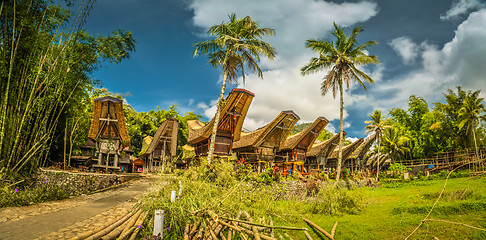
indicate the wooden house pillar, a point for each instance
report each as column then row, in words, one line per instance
column 115, row 161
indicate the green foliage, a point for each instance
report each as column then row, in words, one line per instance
column 342, row 57
column 332, row 200
column 26, row 195
column 142, row 124
column 444, row 128
column 46, row 75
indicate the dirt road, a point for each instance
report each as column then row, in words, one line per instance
column 65, row 219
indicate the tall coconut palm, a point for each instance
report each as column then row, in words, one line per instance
column 377, row 125
column 395, row 142
column 470, row 115
column 342, row 58
column 237, row 43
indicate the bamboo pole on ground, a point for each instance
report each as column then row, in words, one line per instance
column 120, row 229
column 318, row 228
column 264, row 225
column 186, row 232
column 133, row 229
column 110, row 228
column 307, row 235
column 116, row 222
column 254, row 229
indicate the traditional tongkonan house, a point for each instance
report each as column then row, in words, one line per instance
column 293, row 153
column 372, row 161
column 347, row 151
column 317, row 156
column 355, row 160
column 163, row 146
column 231, row 120
column 108, row 134
column 260, row 146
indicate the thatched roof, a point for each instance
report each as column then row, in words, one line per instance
column 373, row 160
column 274, row 132
column 232, row 116
column 347, row 150
column 325, row 148
column 364, row 147
column 111, row 107
column 168, row 131
column 306, row 137
column 145, row 144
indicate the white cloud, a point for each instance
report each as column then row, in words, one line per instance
column 295, row 21
column 461, row 7
column 406, row 49
column 459, row 62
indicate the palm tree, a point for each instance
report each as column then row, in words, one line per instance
column 377, row 125
column 395, row 142
column 341, row 57
column 470, row 115
column 237, row 43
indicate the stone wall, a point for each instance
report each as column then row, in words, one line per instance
column 80, row 183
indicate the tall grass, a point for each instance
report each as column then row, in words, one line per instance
column 226, row 189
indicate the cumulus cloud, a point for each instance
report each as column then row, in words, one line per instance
column 295, row 21
column 458, row 62
column 405, row 48
column 462, row 7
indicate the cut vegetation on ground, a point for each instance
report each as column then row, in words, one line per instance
column 391, row 211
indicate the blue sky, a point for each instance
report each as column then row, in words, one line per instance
column 425, row 48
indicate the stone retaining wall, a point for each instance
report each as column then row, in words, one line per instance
column 80, row 183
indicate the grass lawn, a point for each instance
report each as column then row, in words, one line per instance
column 391, row 211
column 394, row 210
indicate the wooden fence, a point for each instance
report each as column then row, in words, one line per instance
column 446, row 160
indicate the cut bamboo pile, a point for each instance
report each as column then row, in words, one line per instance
column 212, row 226
column 125, row 227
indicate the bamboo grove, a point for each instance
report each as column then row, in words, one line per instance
column 46, row 65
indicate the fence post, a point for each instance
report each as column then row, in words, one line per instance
column 159, row 223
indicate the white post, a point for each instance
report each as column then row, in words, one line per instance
column 172, row 196
column 159, row 223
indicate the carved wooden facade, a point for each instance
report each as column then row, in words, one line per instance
column 108, row 135
column 162, row 146
column 260, row 146
column 293, row 153
column 231, row 120
column 317, row 156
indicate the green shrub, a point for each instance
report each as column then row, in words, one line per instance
column 27, row 195
column 333, row 200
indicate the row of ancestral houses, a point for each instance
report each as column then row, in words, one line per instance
column 271, row 145
column 107, row 147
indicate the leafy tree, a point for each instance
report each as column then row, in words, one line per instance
column 470, row 115
column 377, row 125
column 46, row 68
column 237, row 43
column 342, row 57
column 395, row 142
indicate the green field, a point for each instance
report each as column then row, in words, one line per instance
column 394, row 210
column 391, row 211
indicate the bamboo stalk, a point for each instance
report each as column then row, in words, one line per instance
column 318, row 228
column 307, row 235
column 134, row 230
column 333, row 231
column 89, row 233
column 254, row 229
column 186, row 232
column 117, row 231
column 265, row 225
column 194, row 228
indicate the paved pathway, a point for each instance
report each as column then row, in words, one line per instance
column 67, row 218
